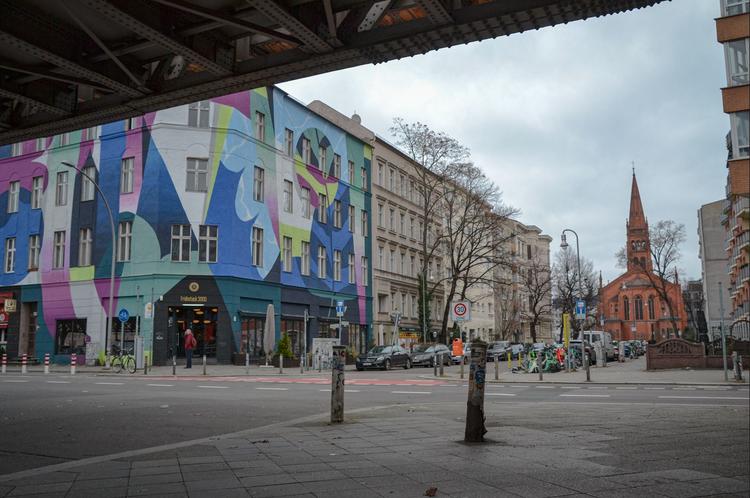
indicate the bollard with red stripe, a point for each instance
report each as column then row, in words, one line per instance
column 5, row 363
column 23, row 364
column 46, row 363
column 73, row 364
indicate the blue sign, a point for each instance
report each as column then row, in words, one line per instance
column 123, row 315
column 580, row 309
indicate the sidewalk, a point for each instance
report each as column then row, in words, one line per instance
column 532, row 450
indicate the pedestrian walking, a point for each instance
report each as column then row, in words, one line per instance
column 190, row 344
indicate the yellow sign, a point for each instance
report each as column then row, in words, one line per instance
column 408, row 335
column 566, row 329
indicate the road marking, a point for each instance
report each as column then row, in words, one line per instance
column 597, row 387
column 15, row 381
column 109, row 383
column 58, row 382
column 214, row 387
column 519, row 387
column 352, row 391
column 626, row 388
column 545, row 387
column 411, row 392
column 570, row 387
column 683, row 389
column 272, row 388
column 160, row 385
column 446, row 385
column 586, row 395
column 703, row 397
column 499, row 394
column 654, row 388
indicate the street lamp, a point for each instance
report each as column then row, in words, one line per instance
column 564, row 245
column 424, row 306
column 107, row 344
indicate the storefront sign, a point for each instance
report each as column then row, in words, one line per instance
column 10, row 305
column 193, row 287
column 193, row 299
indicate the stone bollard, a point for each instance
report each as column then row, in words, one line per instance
column 5, row 363
column 73, row 360
column 337, row 384
column 281, row 363
column 23, row 364
column 475, row 429
column 442, row 366
column 435, row 363
column 204, row 364
column 247, row 363
column 497, row 367
column 46, row 363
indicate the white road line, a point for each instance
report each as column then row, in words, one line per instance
column 160, row 385
column 570, row 387
column 58, row 382
column 683, row 389
column 519, row 387
column 271, row 388
column 352, row 391
column 446, row 385
column 585, row 395
column 654, row 388
column 109, row 383
column 499, row 394
column 545, row 387
column 15, row 381
column 411, row 392
column 214, row 387
column 626, row 388
column 598, row 387
column 703, row 397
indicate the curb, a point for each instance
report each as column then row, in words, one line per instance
column 551, row 382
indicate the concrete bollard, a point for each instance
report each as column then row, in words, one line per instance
column 145, row 364
column 337, row 384
column 204, row 364
column 475, row 429
column 46, row 363
column 497, row 367
column 23, row 364
column 442, row 365
column 174, row 363
column 5, row 363
column 587, row 364
column 540, row 366
column 73, row 360
column 463, row 360
column 281, row 364
column 435, row 363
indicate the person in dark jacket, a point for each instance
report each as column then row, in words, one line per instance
column 190, row 344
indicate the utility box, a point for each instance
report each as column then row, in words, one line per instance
column 139, row 352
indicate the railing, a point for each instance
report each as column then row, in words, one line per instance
column 741, row 204
column 741, row 240
column 744, row 274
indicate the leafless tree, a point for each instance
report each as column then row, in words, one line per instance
column 566, row 286
column 536, row 283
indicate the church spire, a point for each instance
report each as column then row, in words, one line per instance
column 638, row 244
column 636, row 219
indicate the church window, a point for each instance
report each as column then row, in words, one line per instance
column 638, row 308
column 650, row 307
column 626, row 307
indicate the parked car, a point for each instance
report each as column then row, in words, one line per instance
column 497, row 348
column 516, row 349
column 384, row 357
column 426, row 354
column 593, row 336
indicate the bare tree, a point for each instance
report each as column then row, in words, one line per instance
column 566, row 286
column 536, row 283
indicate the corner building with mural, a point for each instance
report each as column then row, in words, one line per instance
column 221, row 208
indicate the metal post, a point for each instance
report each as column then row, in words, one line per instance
column 281, row 363
column 442, row 371
column 463, row 360
column 588, row 367
column 337, row 384
column 435, row 363
column 247, row 363
column 5, row 364
column 23, row 364
column 539, row 365
column 721, row 328
column 510, row 360
column 46, row 363
column 304, row 343
column 204, row 364
column 73, row 361
column 497, row 367
column 475, row 429
column 174, row 363
column 113, row 257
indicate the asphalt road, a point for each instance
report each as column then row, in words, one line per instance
column 55, row 418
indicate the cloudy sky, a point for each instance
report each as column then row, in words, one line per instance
column 557, row 116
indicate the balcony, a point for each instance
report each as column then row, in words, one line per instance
column 743, row 274
column 741, row 207
column 742, row 241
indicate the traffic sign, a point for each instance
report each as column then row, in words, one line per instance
column 461, row 311
column 123, row 315
column 580, row 309
column 340, row 308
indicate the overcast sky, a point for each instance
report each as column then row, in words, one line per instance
column 556, row 117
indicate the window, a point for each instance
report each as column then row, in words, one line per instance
column 736, row 55
column 322, row 162
column 337, row 265
column 70, row 337
column 198, row 114
column 352, row 217
column 392, row 261
column 288, row 197
column 403, row 264
column 364, row 270
column 64, row 139
column 380, row 258
column 61, row 189
column 421, row 230
column 10, row 255
column 364, row 223
column 260, row 126
column 402, row 185
column 124, row 240
column 638, row 308
column 380, row 215
column 391, row 179
column 411, row 190
column 528, row 252
column 197, row 175
column 257, row 246
column 208, row 242
column 180, row 242
column 411, row 266
column 351, row 172
column 126, row 175
column 351, row 269
column 380, row 174
column 402, row 222
column 322, row 208
column 34, row 250
column 650, row 307
column 305, row 198
column 39, row 144
column 37, row 184
column 87, row 183
column 403, row 304
column 85, row 241
column 16, row 149
column 305, row 259
column 13, row 191
column 306, row 151
column 364, row 179
column 337, row 214
column 740, row 134
column 289, row 142
column 382, row 303
column 321, row 262
column 87, row 134
column 258, row 177
column 337, row 166
column 59, row 251
column 391, row 219
column 734, row 7
column 626, row 307
column 286, row 249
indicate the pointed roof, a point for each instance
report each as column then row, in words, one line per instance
column 636, row 219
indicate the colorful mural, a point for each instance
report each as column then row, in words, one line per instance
column 224, row 169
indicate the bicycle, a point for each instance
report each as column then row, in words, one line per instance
column 120, row 361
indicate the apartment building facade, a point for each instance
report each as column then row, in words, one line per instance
column 733, row 32
column 221, row 208
column 714, row 262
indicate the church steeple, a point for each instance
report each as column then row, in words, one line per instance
column 639, row 244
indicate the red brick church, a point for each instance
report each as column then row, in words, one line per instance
column 631, row 308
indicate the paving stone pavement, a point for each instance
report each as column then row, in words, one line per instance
column 532, row 450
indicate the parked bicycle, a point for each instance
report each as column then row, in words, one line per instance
column 122, row 360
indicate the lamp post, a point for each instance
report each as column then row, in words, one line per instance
column 424, row 307
column 564, row 245
column 108, row 326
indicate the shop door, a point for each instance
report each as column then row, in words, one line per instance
column 252, row 338
column 31, row 331
column 202, row 322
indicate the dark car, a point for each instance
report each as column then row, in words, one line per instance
column 384, row 357
column 498, row 348
column 424, row 354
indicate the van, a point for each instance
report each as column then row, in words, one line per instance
column 594, row 336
